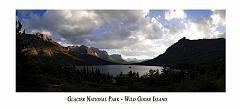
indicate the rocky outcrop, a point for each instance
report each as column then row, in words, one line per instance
column 100, row 53
column 104, row 55
column 82, row 50
column 45, row 52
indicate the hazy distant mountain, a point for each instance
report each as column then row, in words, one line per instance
column 135, row 60
column 187, row 51
column 117, row 58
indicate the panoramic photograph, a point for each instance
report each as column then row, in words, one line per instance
column 120, row 50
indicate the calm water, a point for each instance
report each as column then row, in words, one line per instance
column 117, row 69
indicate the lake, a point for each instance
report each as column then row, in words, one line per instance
column 117, row 69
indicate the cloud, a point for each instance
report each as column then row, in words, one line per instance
column 219, row 17
column 120, row 28
column 209, row 24
column 175, row 14
column 72, row 23
column 66, row 23
column 42, row 31
column 132, row 33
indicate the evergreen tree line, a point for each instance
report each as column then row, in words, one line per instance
column 210, row 77
column 84, row 74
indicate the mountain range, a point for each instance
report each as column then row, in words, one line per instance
column 43, row 49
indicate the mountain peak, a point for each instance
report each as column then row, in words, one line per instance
column 116, row 55
column 183, row 39
column 43, row 37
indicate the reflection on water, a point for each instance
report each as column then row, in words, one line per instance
column 117, row 69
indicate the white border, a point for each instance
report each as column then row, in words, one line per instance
column 9, row 98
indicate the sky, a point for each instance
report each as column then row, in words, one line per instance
column 141, row 34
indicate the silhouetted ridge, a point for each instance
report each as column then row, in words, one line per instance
column 187, row 51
